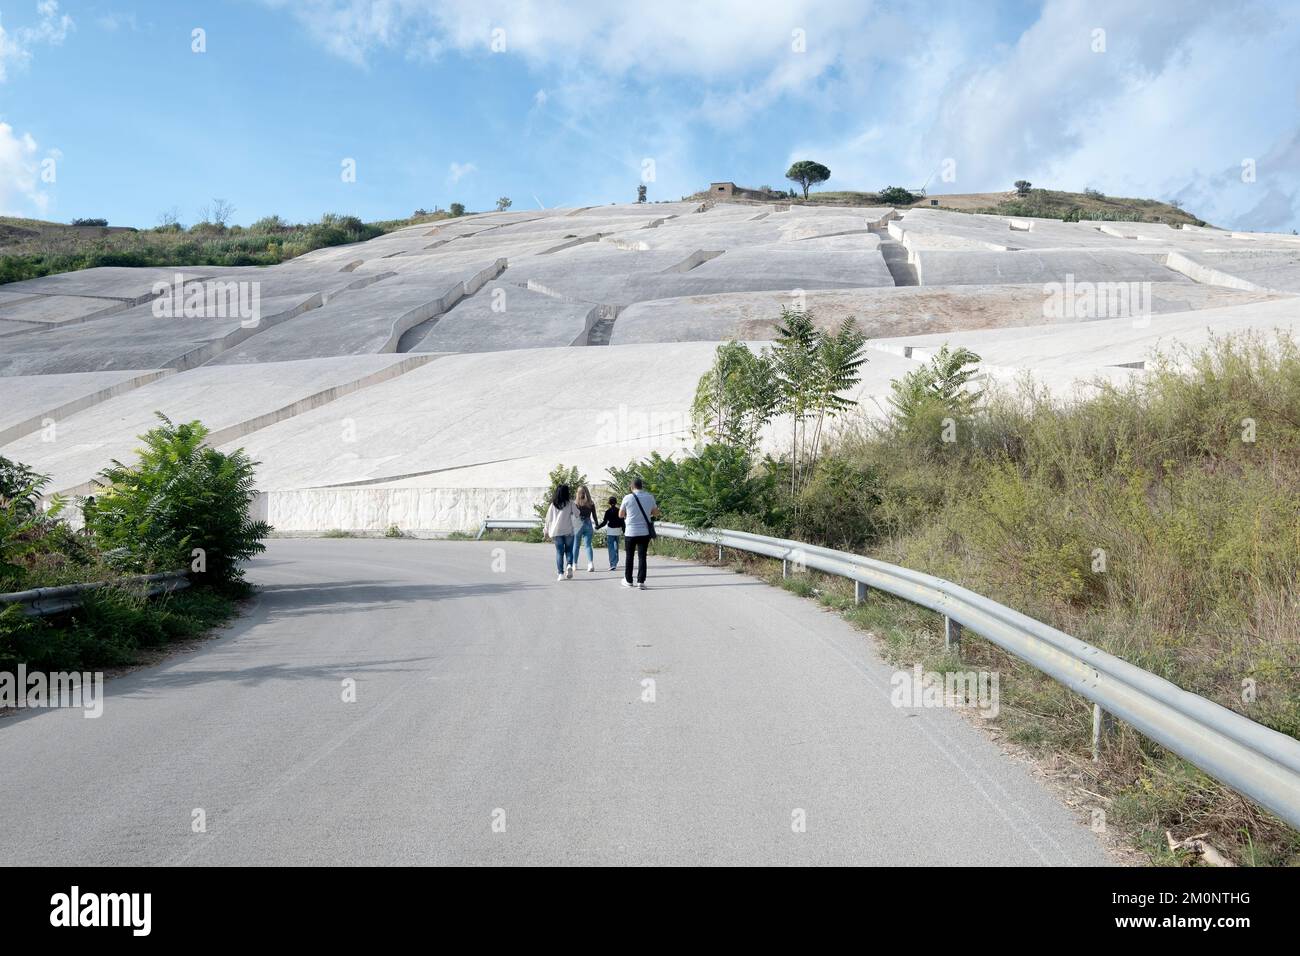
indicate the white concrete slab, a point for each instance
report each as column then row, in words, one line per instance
column 365, row 321
column 136, row 339
column 14, row 328
column 232, row 402
column 1080, row 349
column 125, row 284
column 949, row 267
column 58, row 309
column 492, row 406
column 503, row 316
column 881, row 311
column 1268, row 270
column 29, row 403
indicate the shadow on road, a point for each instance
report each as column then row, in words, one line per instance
column 331, row 597
column 145, row 685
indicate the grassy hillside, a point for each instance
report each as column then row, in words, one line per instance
column 1055, row 204
column 1038, row 203
column 30, row 248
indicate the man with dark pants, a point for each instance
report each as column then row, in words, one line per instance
column 637, row 510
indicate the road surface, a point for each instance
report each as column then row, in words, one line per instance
column 500, row 718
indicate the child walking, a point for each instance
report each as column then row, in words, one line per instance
column 613, row 526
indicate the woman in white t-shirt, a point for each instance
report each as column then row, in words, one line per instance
column 561, row 519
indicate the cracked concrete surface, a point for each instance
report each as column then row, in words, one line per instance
column 511, row 304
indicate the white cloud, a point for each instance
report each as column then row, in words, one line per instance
column 670, row 37
column 12, row 53
column 1180, row 95
column 458, row 171
column 116, row 20
column 51, row 27
column 21, row 187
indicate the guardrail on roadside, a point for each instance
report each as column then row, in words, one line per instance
column 1246, row 756
column 42, row 602
column 508, row 524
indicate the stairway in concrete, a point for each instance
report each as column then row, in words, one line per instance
column 603, row 327
column 895, row 255
column 600, row 332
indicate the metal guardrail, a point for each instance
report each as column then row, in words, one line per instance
column 508, row 524
column 1246, row 756
column 42, row 602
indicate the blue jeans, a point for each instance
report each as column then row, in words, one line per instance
column 563, row 544
column 583, row 533
column 611, row 543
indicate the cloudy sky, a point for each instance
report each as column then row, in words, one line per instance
column 110, row 108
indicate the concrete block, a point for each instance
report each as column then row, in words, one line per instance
column 232, row 402
column 31, row 402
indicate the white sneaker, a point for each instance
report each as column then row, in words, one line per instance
column 626, row 583
column 590, row 566
column 568, row 572
column 559, row 577
column 643, row 587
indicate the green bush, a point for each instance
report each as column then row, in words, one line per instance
column 33, row 544
column 700, row 488
column 266, row 242
column 269, row 224
column 560, row 475
column 930, row 404
column 897, row 196
column 109, row 629
column 840, row 507
column 181, row 497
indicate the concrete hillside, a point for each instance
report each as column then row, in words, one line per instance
column 435, row 374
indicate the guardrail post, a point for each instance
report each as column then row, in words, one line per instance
column 482, row 530
column 785, row 568
column 951, row 634
column 719, row 552
column 1103, row 725
column 859, row 592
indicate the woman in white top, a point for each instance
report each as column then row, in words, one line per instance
column 561, row 519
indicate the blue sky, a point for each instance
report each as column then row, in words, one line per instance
column 564, row 103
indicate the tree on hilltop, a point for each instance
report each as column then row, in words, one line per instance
column 807, row 173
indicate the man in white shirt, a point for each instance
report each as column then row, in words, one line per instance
column 637, row 510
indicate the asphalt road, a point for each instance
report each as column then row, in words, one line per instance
column 499, row 718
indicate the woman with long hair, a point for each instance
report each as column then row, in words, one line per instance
column 561, row 519
column 584, row 527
